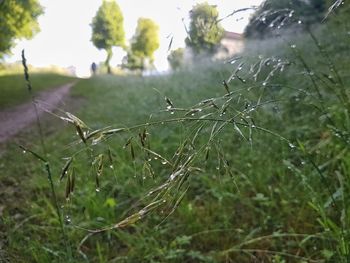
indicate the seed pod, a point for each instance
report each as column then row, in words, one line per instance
column 132, row 151
column 100, row 165
column 226, row 86
column 80, row 133
column 169, row 102
column 66, row 167
column 68, row 186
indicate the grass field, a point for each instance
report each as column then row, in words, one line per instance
column 14, row 91
column 183, row 168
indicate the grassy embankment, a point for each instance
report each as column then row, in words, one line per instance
column 13, row 87
column 261, row 169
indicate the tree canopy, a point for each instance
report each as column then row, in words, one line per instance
column 281, row 14
column 143, row 44
column 18, row 19
column 146, row 39
column 107, row 29
column 176, row 58
column 133, row 62
column 205, row 32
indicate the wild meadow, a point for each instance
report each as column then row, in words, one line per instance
column 12, row 92
column 243, row 160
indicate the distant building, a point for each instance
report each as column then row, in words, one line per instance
column 231, row 44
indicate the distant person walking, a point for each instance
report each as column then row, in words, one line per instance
column 93, row 68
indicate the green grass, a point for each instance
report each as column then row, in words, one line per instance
column 248, row 194
column 14, row 91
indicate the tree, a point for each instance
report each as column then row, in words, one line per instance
column 205, row 32
column 145, row 41
column 176, row 58
column 274, row 14
column 18, row 19
column 143, row 44
column 133, row 62
column 107, row 29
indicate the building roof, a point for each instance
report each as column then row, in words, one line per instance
column 232, row 35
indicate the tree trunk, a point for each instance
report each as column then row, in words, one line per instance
column 109, row 56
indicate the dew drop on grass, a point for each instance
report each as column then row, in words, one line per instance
column 155, row 158
column 164, row 162
column 291, row 145
column 67, row 219
column 97, row 190
column 111, row 166
column 299, row 22
column 172, row 112
column 24, row 151
column 293, row 46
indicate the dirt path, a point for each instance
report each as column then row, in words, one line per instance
column 15, row 119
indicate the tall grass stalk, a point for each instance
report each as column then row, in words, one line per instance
column 43, row 160
column 46, row 164
column 30, row 90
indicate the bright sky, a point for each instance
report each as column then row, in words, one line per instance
column 65, row 34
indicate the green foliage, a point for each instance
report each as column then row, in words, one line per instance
column 133, row 62
column 143, row 44
column 268, row 151
column 281, row 14
column 18, row 19
column 176, row 58
column 146, row 39
column 205, row 32
column 13, row 86
column 107, row 29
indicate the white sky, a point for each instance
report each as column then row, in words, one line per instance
column 65, row 34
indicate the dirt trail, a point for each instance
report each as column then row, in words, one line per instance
column 15, row 119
